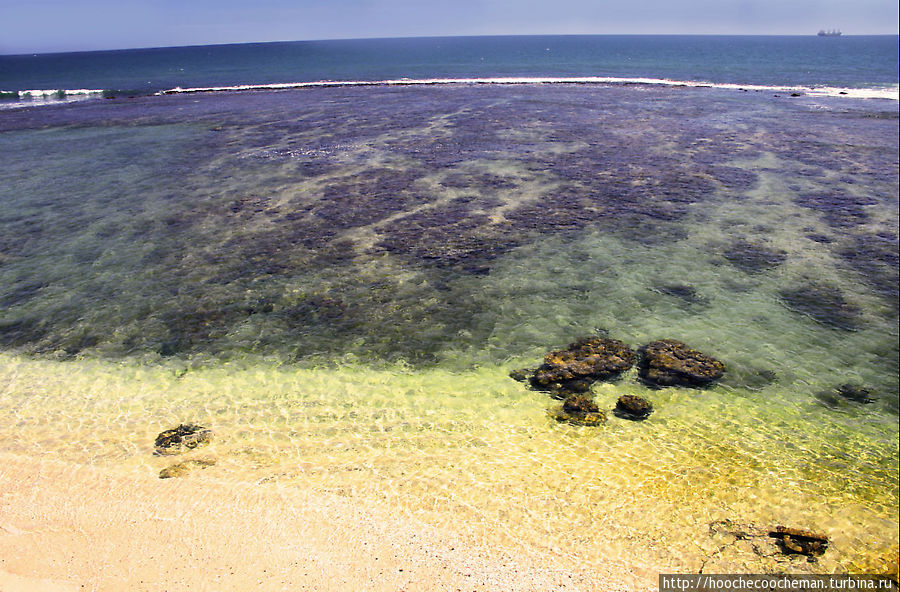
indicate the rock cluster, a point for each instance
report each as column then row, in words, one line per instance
column 569, row 373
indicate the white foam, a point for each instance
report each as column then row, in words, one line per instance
column 888, row 92
column 27, row 98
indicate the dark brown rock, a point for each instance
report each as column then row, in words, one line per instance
column 574, row 369
column 580, row 410
column 186, row 436
column 580, row 404
column 672, row 363
column 798, row 541
column 633, row 407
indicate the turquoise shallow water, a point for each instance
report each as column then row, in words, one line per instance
column 338, row 281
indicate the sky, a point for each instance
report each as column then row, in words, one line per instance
column 41, row 26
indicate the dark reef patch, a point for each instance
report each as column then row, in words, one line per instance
column 483, row 181
column 823, row 303
column 877, row 258
column 22, row 331
column 733, row 177
column 191, row 327
column 685, row 293
column 21, row 294
column 840, row 210
column 823, row 239
column 368, row 198
column 753, row 257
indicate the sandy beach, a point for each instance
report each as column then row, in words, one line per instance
column 65, row 527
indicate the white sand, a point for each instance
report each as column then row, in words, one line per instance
column 66, row 527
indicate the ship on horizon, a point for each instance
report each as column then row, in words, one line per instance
column 831, row 33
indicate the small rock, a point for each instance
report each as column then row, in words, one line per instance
column 672, row 363
column 580, row 404
column 633, row 407
column 798, row 541
column 186, row 436
column 522, row 374
column 855, row 392
column 183, row 468
column 580, row 410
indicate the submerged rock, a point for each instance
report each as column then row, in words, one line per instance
column 855, row 392
column 573, row 370
column 579, row 404
column 750, row 377
column 845, row 396
column 186, row 436
column 521, row 374
column 798, row 541
column 668, row 362
column 633, row 407
column 183, row 468
column 580, row 410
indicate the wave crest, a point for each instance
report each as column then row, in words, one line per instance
column 887, row 92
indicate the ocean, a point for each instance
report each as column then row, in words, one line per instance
column 337, row 269
column 852, row 63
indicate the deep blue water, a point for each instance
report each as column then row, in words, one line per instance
column 851, row 62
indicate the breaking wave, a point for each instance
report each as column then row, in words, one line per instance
column 891, row 92
column 28, row 98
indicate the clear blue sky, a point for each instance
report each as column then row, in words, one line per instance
column 34, row 26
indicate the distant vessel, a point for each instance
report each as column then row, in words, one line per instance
column 831, row 33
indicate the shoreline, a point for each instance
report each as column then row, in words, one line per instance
column 68, row 527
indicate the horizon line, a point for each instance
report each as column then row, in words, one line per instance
column 399, row 37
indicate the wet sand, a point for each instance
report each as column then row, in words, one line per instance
column 66, row 527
